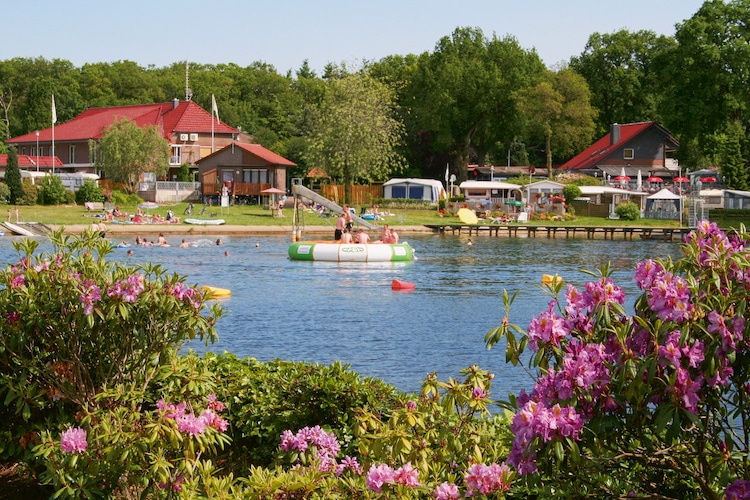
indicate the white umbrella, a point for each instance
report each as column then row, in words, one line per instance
column 640, row 182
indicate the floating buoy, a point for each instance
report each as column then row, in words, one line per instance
column 402, row 285
column 217, row 292
column 549, row 279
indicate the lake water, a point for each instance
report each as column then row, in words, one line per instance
column 323, row 312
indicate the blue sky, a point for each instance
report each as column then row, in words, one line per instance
column 286, row 32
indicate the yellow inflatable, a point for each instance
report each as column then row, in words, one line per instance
column 217, row 292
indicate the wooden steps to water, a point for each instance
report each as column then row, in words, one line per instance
column 589, row 232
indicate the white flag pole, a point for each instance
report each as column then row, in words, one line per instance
column 54, row 119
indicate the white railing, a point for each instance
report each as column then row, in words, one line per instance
column 174, row 160
column 177, row 186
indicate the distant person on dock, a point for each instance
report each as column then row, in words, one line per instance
column 346, row 236
column 362, row 237
column 340, row 226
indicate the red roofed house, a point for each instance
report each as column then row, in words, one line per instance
column 185, row 125
column 26, row 162
column 631, row 148
column 244, row 170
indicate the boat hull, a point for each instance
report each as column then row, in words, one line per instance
column 350, row 252
column 204, row 222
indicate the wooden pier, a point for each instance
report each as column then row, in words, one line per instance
column 590, row 232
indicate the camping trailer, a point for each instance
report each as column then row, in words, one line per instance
column 414, row 189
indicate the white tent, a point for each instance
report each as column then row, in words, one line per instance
column 414, row 189
column 664, row 199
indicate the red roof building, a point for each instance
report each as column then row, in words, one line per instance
column 242, row 170
column 192, row 132
column 628, row 148
column 26, row 162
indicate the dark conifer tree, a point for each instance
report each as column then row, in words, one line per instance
column 13, row 177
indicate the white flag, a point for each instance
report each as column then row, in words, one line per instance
column 447, row 172
column 214, row 108
column 54, row 111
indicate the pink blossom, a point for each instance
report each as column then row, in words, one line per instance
column 738, row 490
column 90, row 294
column 478, row 393
column 547, row 328
column 128, row 289
column 18, row 281
column 407, row 475
column 411, row 406
column 348, row 463
column 646, row 273
column 190, row 424
column 447, row 491
column 214, row 404
column 487, row 479
column 73, row 440
column 378, row 475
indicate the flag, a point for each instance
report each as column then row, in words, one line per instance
column 214, row 108
column 447, row 172
column 54, row 111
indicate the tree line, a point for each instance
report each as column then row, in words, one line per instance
column 473, row 98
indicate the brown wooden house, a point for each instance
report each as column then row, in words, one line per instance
column 243, row 171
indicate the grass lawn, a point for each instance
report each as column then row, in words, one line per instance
column 251, row 215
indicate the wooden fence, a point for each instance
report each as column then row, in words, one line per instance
column 360, row 194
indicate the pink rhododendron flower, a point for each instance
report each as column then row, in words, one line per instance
column 348, row 463
column 548, row 328
column 190, row 424
column 378, row 475
column 487, row 479
column 447, row 491
column 73, row 440
column 738, row 490
column 407, row 475
column 90, row 293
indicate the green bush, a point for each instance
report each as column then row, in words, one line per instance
column 77, row 325
column 124, row 199
column 89, row 191
column 4, row 192
column 628, row 210
column 51, row 190
column 30, row 193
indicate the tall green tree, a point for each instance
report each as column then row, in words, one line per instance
column 558, row 110
column 707, row 75
column 734, row 168
column 621, row 71
column 13, row 177
column 356, row 134
column 466, row 93
column 128, row 151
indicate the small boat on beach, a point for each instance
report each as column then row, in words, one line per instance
column 350, row 252
column 204, row 222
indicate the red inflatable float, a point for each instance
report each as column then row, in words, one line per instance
column 402, row 285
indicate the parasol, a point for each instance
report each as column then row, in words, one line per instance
column 654, row 178
column 273, row 191
column 467, row 216
column 708, row 179
column 681, row 179
column 622, row 178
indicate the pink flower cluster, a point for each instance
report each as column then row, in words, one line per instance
column 487, row 479
column 536, row 420
column 127, row 289
column 738, row 490
column 547, row 328
column 383, row 474
column 191, row 424
column 73, row 440
column 584, row 376
column 184, row 293
column 90, row 294
column 326, row 446
column 581, row 306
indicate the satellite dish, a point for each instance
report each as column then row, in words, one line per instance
column 188, row 94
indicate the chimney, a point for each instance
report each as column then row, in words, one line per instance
column 614, row 133
column 175, row 102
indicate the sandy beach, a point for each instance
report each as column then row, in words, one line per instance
column 186, row 229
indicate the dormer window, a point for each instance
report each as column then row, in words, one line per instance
column 628, row 153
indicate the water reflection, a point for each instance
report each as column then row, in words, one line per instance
column 323, row 312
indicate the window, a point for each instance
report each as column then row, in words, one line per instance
column 175, row 157
column 33, row 151
column 41, row 150
column 23, row 150
column 72, row 153
column 628, row 153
